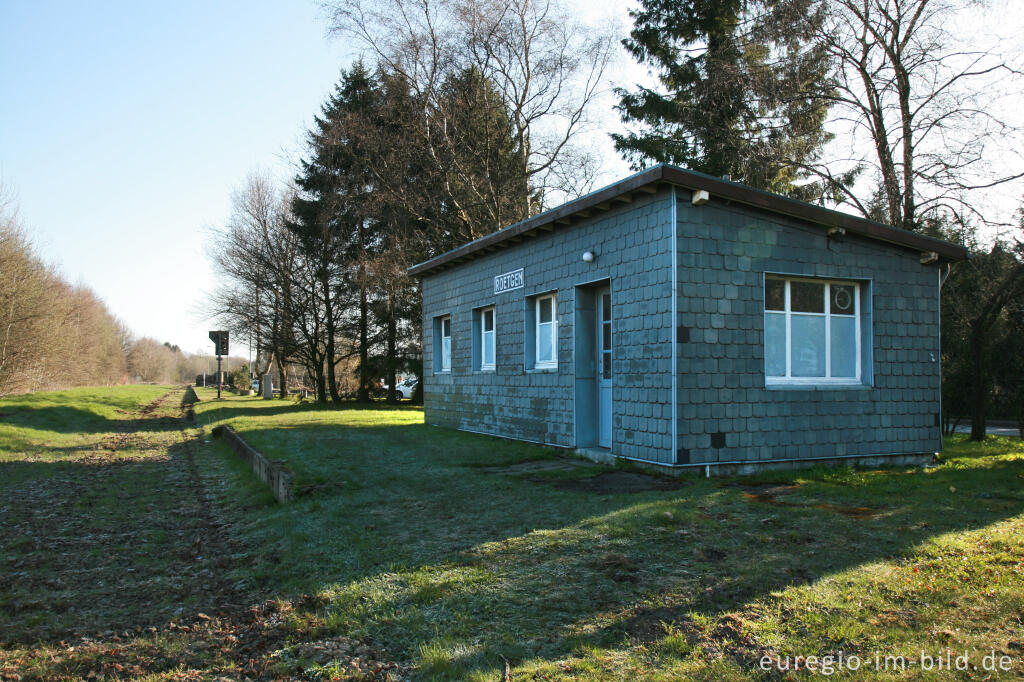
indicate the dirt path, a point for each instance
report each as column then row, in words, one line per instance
column 118, row 537
column 115, row 565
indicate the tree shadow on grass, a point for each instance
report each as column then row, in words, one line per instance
column 104, row 544
column 64, row 419
column 75, row 420
column 212, row 411
column 423, row 547
column 709, row 552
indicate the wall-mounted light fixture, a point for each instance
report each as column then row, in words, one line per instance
column 700, row 197
column 588, row 256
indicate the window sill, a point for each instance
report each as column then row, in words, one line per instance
column 484, row 370
column 817, row 387
column 550, row 369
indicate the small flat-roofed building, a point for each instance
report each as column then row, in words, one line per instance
column 679, row 319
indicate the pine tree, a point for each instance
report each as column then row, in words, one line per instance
column 744, row 89
column 480, row 159
column 332, row 221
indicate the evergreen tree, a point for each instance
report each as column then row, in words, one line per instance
column 332, row 222
column 480, row 159
column 744, row 85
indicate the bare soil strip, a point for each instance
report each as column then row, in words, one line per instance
column 115, row 566
column 107, row 531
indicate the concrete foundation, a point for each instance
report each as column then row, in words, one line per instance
column 746, row 468
column 272, row 473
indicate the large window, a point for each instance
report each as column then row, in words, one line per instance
column 443, row 343
column 546, row 331
column 486, row 338
column 812, row 331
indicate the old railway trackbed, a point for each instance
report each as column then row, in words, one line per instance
column 116, row 539
column 115, row 566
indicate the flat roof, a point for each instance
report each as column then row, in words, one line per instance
column 648, row 182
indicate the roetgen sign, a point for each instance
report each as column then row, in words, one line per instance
column 509, row 281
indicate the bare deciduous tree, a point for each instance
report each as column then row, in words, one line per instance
column 545, row 66
column 261, row 292
column 52, row 334
column 921, row 103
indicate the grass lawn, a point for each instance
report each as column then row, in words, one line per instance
column 456, row 553
column 104, row 523
column 465, row 557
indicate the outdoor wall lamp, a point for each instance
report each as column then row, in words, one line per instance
column 588, row 256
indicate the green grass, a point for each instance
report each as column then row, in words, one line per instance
column 411, row 542
column 434, row 546
column 56, row 424
column 96, row 517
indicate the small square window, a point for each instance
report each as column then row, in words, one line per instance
column 487, row 339
column 806, row 297
column 544, row 316
column 774, row 294
column 443, row 343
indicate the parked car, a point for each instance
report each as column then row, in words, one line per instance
column 407, row 388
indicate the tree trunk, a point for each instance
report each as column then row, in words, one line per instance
column 332, row 381
column 364, row 351
column 282, row 373
column 979, row 380
column 321, row 385
column 392, row 352
column 417, row 395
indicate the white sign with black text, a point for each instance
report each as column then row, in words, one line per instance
column 509, row 281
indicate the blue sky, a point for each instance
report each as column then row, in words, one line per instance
column 124, row 127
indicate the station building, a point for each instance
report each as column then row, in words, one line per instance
column 678, row 319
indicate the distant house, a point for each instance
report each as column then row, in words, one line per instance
column 682, row 320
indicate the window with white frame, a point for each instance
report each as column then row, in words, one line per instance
column 546, row 323
column 487, row 338
column 444, row 335
column 812, row 331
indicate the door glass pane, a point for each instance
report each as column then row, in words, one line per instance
column 446, row 352
column 488, row 320
column 841, row 299
column 775, row 344
column 544, row 314
column 775, row 294
column 544, row 343
column 807, row 297
column 808, row 344
column 489, row 348
column 606, row 365
column 844, row 347
column 446, row 327
column 606, row 337
column 606, row 307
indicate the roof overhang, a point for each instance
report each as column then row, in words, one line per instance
column 649, row 181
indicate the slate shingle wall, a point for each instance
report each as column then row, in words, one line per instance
column 633, row 247
column 724, row 252
column 724, row 411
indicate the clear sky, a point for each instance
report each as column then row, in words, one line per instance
column 125, row 125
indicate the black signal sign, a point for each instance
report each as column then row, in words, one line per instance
column 220, row 341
